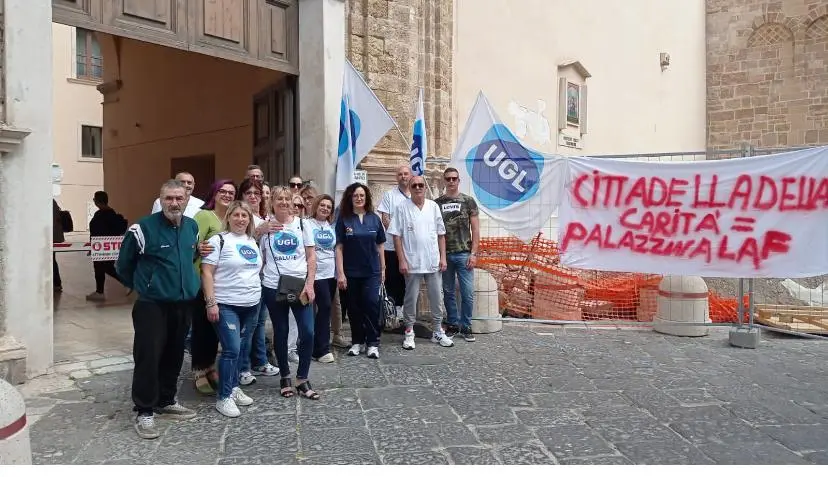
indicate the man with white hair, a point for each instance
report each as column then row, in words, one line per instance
column 156, row 260
column 191, row 204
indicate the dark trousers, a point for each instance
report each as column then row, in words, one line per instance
column 279, row 315
column 158, row 350
column 56, row 282
column 324, row 290
column 394, row 280
column 102, row 269
column 204, row 340
column 364, row 310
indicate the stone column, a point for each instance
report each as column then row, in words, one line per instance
column 400, row 46
column 321, row 62
column 26, row 190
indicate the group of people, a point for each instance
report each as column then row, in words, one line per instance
column 213, row 271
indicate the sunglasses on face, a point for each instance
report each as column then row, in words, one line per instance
column 451, row 179
column 418, row 185
column 299, row 206
column 295, row 185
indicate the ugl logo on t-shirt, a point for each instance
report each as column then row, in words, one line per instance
column 286, row 243
column 247, row 252
column 324, row 239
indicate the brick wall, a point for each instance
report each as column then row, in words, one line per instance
column 767, row 73
column 400, row 46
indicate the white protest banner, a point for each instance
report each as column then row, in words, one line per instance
column 104, row 249
column 517, row 187
column 763, row 216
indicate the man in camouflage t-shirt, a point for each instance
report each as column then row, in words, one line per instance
column 460, row 214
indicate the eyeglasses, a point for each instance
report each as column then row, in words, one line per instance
column 451, row 179
column 226, row 192
column 252, row 192
column 418, row 185
column 295, row 184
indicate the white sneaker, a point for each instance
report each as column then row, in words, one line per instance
column 442, row 339
column 408, row 342
column 227, row 407
column 293, row 356
column 328, row 358
column 145, row 427
column 373, row 352
column 265, row 370
column 355, row 350
column 240, row 398
column 246, row 378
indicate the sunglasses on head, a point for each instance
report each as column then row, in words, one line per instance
column 418, row 185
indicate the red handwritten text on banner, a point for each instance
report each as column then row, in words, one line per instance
column 757, row 216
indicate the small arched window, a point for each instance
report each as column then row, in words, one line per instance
column 818, row 29
column 770, row 34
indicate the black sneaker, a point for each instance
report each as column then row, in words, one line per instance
column 452, row 329
column 468, row 336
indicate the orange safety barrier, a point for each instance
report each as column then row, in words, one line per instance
column 533, row 284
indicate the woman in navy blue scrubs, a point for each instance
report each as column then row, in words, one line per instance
column 360, row 264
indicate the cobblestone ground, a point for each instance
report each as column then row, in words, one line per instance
column 525, row 395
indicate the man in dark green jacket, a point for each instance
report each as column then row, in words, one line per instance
column 156, row 260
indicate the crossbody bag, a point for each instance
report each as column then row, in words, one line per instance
column 290, row 288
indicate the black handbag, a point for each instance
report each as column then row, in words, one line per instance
column 290, row 288
column 388, row 311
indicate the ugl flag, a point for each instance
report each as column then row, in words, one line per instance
column 419, row 145
column 517, row 187
column 363, row 121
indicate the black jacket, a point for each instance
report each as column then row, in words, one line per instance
column 107, row 222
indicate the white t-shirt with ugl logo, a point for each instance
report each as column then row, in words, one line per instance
column 237, row 262
column 324, row 239
column 284, row 253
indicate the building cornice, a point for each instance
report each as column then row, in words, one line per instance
column 11, row 137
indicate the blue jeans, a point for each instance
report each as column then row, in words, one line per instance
column 279, row 315
column 258, row 348
column 456, row 264
column 234, row 330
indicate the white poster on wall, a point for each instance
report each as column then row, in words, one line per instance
column 763, row 216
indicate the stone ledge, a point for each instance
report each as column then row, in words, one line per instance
column 12, row 360
column 11, row 137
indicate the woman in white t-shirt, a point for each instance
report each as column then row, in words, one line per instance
column 256, row 363
column 288, row 278
column 232, row 292
column 320, row 222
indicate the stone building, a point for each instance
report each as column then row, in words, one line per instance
column 210, row 86
column 767, row 73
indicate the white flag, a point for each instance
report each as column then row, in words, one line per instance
column 363, row 121
column 517, row 187
column 419, row 145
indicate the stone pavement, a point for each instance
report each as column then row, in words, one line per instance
column 526, row 395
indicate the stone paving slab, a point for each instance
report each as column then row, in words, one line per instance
column 526, row 395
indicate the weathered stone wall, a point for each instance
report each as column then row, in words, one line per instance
column 400, row 46
column 767, row 73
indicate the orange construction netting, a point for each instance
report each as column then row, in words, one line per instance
column 532, row 283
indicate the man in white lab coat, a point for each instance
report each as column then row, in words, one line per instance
column 420, row 242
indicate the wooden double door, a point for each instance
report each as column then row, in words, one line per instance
column 275, row 131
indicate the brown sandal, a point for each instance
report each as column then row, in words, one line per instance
column 287, row 387
column 306, row 391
